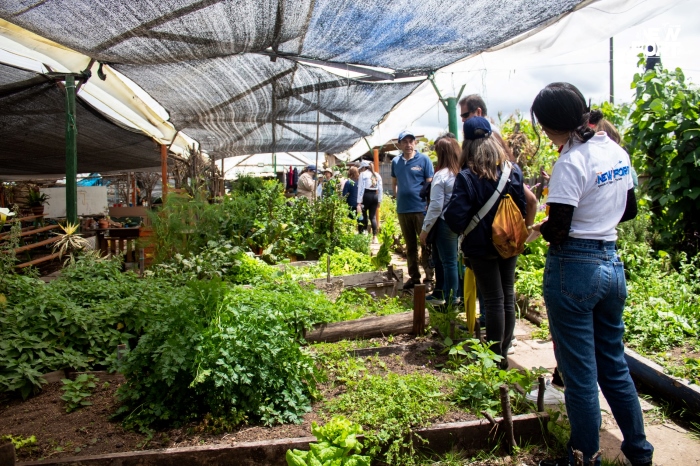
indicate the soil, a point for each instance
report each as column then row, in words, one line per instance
column 89, row 431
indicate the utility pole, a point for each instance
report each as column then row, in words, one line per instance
column 612, row 84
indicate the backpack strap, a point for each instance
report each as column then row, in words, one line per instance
column 505, row 175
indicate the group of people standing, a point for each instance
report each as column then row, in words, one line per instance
column 591, row 191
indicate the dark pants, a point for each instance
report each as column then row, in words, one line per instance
column 369, row 211
column 495, row 279
column 411, row 225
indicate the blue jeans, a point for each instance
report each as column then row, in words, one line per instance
column 445, row 259
column 585, row 292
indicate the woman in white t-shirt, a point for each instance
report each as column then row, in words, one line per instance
column 590, row 192
column 369, row 196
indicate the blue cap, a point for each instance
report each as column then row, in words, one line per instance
column 477, row 128
column 406, row 133
column 311, row 167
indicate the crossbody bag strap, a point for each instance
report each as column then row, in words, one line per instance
column 505, row 175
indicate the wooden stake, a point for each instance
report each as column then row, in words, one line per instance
column 540, row 394
column 419, row 309
column 507, row 418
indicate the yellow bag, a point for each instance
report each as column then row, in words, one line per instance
column 508, row 230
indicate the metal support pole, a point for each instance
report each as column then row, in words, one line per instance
column 164, row 170
column 375, row 153
column 612, row 84
column 71, row 153
column 318, row 140
column 453, row 123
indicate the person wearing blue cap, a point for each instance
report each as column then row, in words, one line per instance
column 307, row 183
column 409, row 172
column 471, row 212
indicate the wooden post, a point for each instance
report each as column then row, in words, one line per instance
column 507, row 418
column 164, row 170
column 419, row 309
column 540, row 394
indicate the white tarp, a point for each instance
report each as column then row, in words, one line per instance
column 594, row 22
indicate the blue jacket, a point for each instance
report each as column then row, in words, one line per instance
column 350, row 193
column 470, row 193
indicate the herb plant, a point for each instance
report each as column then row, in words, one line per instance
column 76, row 392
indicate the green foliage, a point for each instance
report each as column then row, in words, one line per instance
column 542, row 333
column 337, row 446
column 363, row 304
column 386, row 238
column 184, row 225
column 76, row 392
column 18, row 441
column 664, row 141
column 76, row 321
column 390, row 406
column 532, row 149
column 479, row 379
column 344, row 262
column 8, row 258
column 231, row 352
column 559, row 427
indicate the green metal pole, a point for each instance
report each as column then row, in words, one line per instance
column 71, row 153
column 452, row 115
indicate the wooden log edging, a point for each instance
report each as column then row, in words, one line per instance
column 671, row 388
column 469, row 436
column 648, row 372
column 367, row 327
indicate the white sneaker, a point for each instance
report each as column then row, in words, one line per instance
column 511, row 350
column 552, row 395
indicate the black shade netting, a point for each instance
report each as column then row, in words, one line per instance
column 231, row 104
column 396, row 34
column 33, row 127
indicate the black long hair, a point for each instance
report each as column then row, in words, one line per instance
column 562, row 107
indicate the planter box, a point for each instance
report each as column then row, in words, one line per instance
column 469, row 436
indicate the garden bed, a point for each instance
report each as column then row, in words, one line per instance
column 89, row 431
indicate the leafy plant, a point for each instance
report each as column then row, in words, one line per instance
column 480, row 377
column 36, row 198
column 70, row 242
column 229, row 351
column 390, row 406
column 664, row 140
column 19, row 441
column 337, row 445
column 76, row 392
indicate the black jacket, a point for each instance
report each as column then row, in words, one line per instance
column 470, row 193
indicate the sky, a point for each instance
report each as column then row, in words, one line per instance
column 512, row 82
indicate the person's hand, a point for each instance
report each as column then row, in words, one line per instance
column 423, row 237
column 545, row 175
column 536, row 227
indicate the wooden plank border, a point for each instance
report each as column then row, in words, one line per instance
column 469, row 436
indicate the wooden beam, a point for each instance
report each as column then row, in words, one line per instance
column 368, row 327
column 38, row 261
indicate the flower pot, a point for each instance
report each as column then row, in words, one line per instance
column 38, row 210
column 103, row 224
